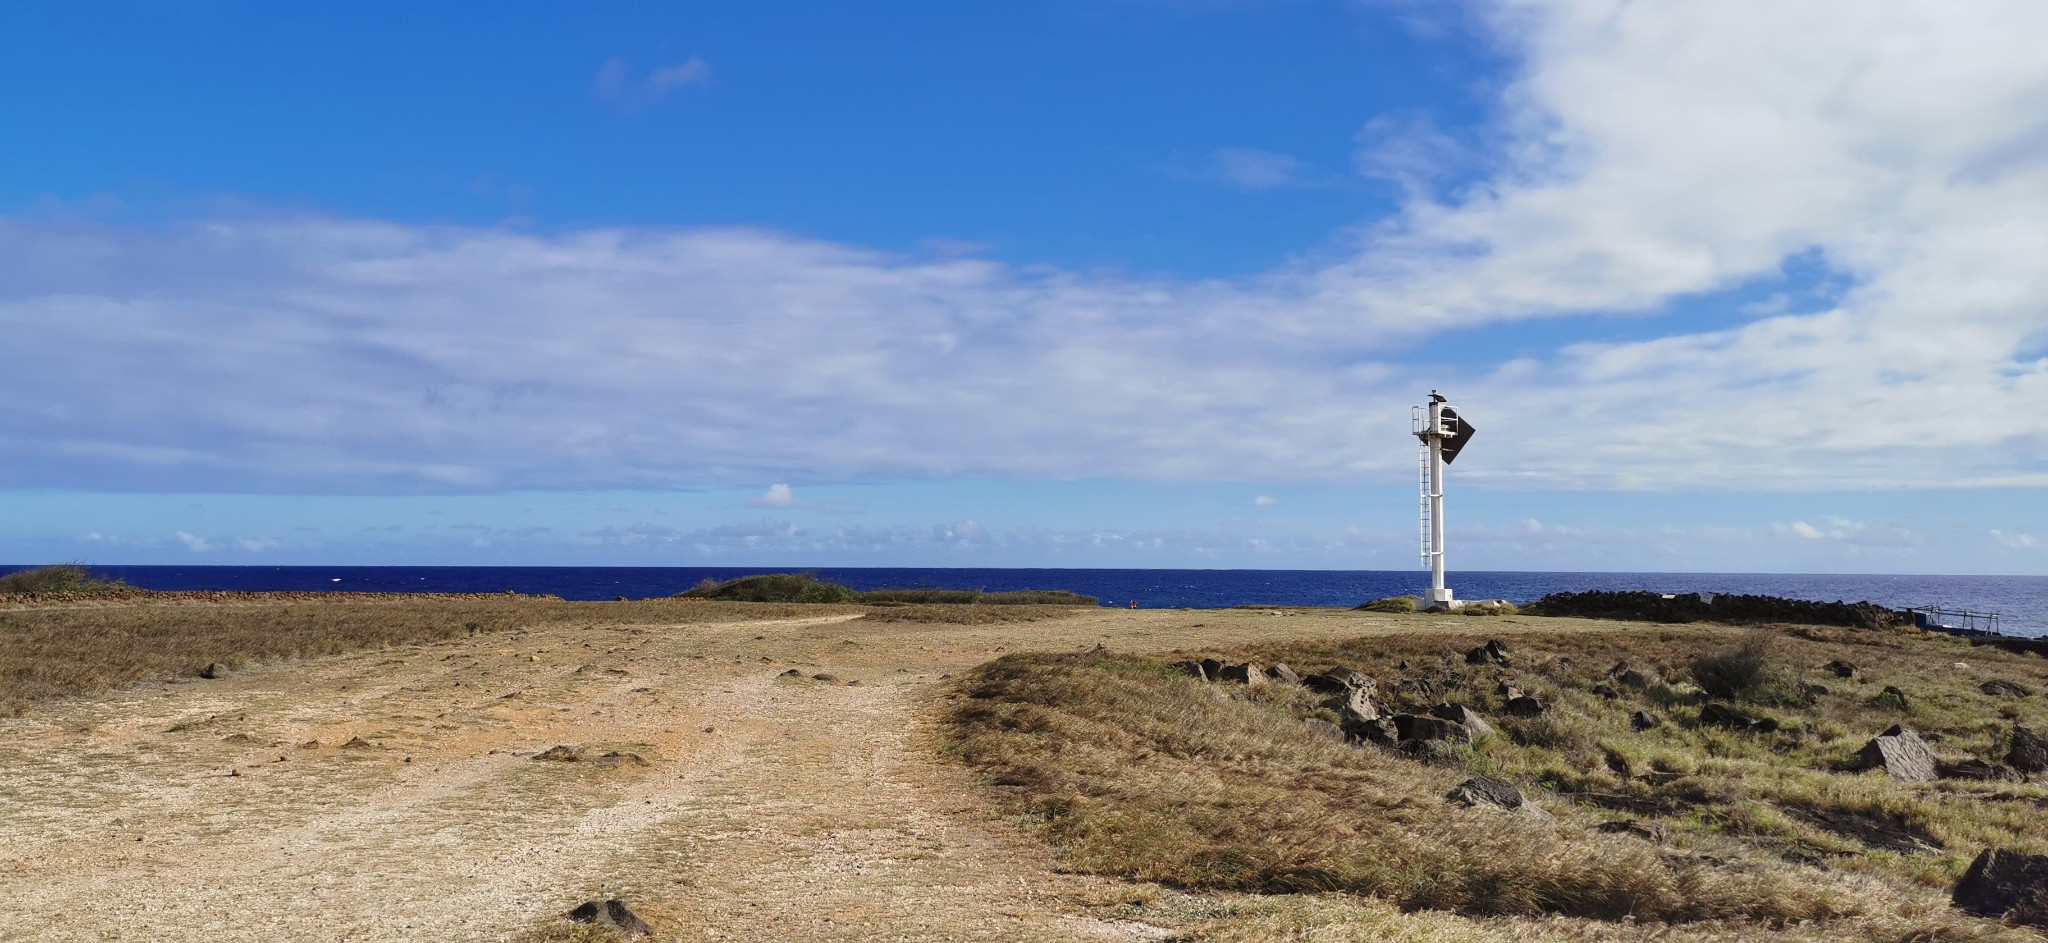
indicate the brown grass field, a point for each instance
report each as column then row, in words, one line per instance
column 962, row 773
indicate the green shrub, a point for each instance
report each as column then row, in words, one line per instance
column 1390, row 604
column 772, row 587
column 60, row 578
column 1744, row 673
column 806, row 587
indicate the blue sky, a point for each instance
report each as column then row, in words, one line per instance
column 1724, row 285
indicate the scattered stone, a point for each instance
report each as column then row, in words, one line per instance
column 1323, row 729
column 1283, row 674
column 822, row 676
column 1627, row 677
column 1193, row 669
column 1997, row 688
column 1212, row 669
column 1606, row 691
column 1492, row 653
column 615, row 758
column 1644, row 720
column 357, row 743
column 1721, row 715
column 1526, row 706
column 560, row 753
column 1424, row 728
column 1338, row 680
column 1649, row 831
column 611, row 913
column 214, row 672
column 1813, row 691
column 2029, row 752
column 1901, row 754
column 1380, row 730
column 1247, row 673
column 2006, row 885
column 1975, row 769
column 792, row 673
column 1890, row 698
column 1840, row 669
column 1483, row 789
column 1403, row 666
column 1465, row 716
column 1509, row 690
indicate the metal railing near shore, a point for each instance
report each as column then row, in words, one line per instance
column 1954, row 621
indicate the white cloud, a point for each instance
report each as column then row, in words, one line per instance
column 778, row 496
column 2015, row 541
column 192, row 542
column 616, row 82
column 1249, row 168
column 1265, row 501
column 1645, row 153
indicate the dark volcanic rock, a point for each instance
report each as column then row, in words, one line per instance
column 214, row 672
column 1212, row 668
column 560, row 753
column 1247, row 673
column 1526, row 706
column 1627, row 677
column 1283, row 674
column 1424, row 728
column 1338, row 680
column 1492, row 653
column 1840, row 669
column 1459, row 713
column 1997, row 688
column 1721, row 715
column 612, row 913
column 2006, row 884
column 2029, row 752
column 1975, row 769
column 1482, row 789
column 1193, row 669
column 1890, row 698
column 1644, row 720
column 1901, row 754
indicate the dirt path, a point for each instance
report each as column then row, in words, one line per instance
column 395, row 795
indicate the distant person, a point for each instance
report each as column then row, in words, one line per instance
column 1134, row 604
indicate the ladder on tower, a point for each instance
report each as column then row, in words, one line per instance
column 1428, row 548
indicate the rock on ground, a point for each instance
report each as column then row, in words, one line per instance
column 611, row 913
column 2006, row 884
column 2029, row 752
column 1901, row 754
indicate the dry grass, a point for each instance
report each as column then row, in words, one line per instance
column 80, row 648
column 972, row 614
column 1140, row 773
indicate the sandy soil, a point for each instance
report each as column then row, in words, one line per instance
column 394, row 795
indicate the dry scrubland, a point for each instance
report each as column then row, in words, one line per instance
column 367, row 771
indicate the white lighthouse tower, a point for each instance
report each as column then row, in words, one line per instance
column 1443, row 433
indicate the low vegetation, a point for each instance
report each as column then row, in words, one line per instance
column 807, row 588
column 1137, row 770
column 74, row 649
column 60, row 578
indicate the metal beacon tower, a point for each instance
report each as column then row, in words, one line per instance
column 1443, row 433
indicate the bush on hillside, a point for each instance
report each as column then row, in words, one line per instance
column 60, row 578
column 1389, row 604
column 806, row 587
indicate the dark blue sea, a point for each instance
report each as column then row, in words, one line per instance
column 2021, row 601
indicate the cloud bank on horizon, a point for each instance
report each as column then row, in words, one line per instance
column 1644, row 156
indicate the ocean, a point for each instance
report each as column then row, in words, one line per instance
column 2021, row 601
